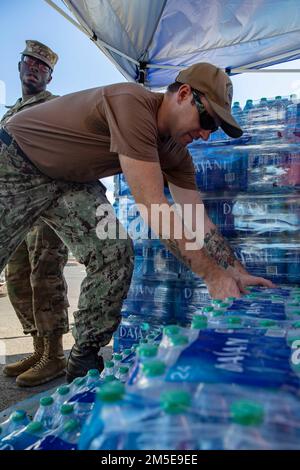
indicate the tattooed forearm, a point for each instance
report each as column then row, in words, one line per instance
column 219, row 249
column 173, row 246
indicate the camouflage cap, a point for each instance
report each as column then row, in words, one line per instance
column 40, row 51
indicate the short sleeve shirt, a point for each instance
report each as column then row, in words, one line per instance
column 78, row 137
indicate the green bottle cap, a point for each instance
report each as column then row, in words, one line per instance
column 252, row 295
column 171, row 330
column 247, row 413
column 217, row 301
column 71, row 425
column 296, row 324
column 79, row 381
column 218, row 313
column 94, row 373
column 111, row 392
column 145, row 326
column 295, row 312
column 34, row 428
column 234, row 320
column 143, row 341
column 267, row 323
column 232, row 299
column 207, row 309
column 66, row 409
column 223, row 305
column 278, row 97
column 147, row 350
column 175, row 401
column 46, row 401
column 18, row 416
column 109, row 364
column 293, row 303
column 64, row 390
column 199, row 322
column 117, row 357
column 109, row 378
column 124, row 370
column 153, row 368
column 179, row 340
column 127, row 352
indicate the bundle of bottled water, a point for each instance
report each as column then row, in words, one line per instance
column 228, row 380
column 250, row 188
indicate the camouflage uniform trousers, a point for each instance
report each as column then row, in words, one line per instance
column 71, row 210
column 36, row 285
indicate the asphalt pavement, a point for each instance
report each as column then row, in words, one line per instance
column 14, row 345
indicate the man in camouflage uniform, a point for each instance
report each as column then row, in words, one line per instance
column 35, row 282
column 52, row 156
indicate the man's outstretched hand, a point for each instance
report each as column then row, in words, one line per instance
column 233, row 283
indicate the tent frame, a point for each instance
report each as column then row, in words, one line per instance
column 142, row 65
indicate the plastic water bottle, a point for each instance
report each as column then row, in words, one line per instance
column 109, row 367
column 16, row 421
column 146, row 352
column 77, row 386
column 66, row 413
column 177, row 343
column 199, row 322
column 148, row 376
column 93, row 379
column 64, row 438
column 108, row 407
column 174, row 427
column 259, row 117
column 122, row 373
column 126, row 353
column 292, row 119
column 237, row 113
column 246, row 112
column 23, row 438
column 117, row 358
column 61, row 395
column 277, row 117
column 46, row 412
column 245, row 434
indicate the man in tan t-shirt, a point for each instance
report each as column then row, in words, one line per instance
column 56, row 152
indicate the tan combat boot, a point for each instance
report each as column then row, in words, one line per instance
column 17, row 368
column 51, row 365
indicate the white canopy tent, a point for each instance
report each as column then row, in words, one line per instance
column 150, row 40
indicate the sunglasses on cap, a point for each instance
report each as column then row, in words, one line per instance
column 207, row 122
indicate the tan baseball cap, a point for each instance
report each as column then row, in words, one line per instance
column 217, row 88
column 40, row 51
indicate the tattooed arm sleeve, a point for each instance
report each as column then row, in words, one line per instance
column 218, row 247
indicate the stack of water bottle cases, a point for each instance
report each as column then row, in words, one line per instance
column 189, row 373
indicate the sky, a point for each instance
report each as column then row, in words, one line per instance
column 82, row 65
